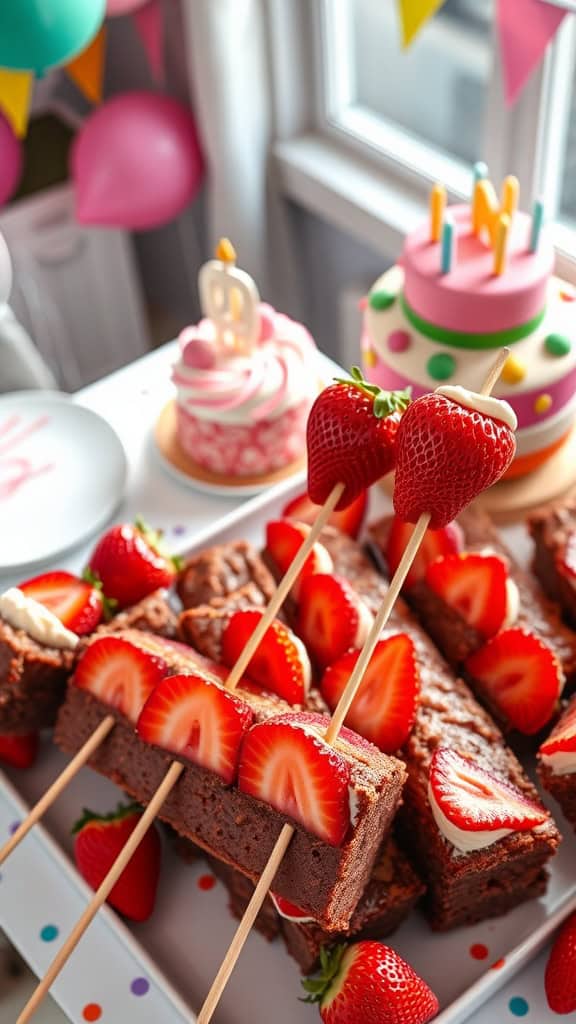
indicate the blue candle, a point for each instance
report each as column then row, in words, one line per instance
column 448, row 240
column 537, row 224
column 480, row 171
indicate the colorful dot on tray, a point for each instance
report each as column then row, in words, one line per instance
column 441, row 366
column 478, row 951
column 206, row 882
column 382, row 300
column 92, row 1011
column 15, row 825
column 399, row 341
column 49, row 932
column 518, row 1006
column 558, row 344
column 139, row 987
column 498, row 964
column 542, row 404
column 178, row 530
column 567, row 296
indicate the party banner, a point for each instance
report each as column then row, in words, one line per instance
column 148, row 21
column 15, row 97
column 525, row 28
column 413, row 15
column 87, row 69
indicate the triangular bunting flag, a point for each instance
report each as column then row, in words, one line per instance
column 148, row 21
column 15, row 96
column 87, row 69
column 413, row 14
column 525, row 28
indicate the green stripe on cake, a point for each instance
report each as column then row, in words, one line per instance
column 471, row 340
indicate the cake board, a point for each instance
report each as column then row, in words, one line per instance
column 185, row 469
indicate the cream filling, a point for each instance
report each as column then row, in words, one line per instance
column 465, row 841
column 563, row 762
column 486, row 405
column 25, row 613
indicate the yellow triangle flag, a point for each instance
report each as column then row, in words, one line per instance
column 413, row 14
column 87, row 69
column 15, row 96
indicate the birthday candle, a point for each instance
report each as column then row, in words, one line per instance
column 510, row 191
column 537, row 224
column 437, row 208
column 448, row 245
column 501, row 243
column 480, row 171
column 230, row 299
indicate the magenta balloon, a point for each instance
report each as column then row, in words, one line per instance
column 136, row 162
column 10, row 160
column 117, row 7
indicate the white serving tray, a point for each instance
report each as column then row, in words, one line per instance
column 181, row 947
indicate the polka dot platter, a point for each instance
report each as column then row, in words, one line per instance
column 160, row 971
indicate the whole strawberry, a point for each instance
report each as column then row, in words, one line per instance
column 560, row 977
column 99, row 841
column 368, row 983
column 130, row 562
column 446, row 454
column 351, row 437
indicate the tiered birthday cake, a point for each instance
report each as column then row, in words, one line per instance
column 246, row 379
column 471, row 280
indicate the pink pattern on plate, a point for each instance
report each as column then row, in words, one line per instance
column 245, row 450
column 15, row 470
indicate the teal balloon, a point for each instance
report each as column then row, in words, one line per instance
column 39, row 34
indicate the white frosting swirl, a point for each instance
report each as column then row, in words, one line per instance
column 245, row 388
column 464, row 841
column 486, row 405
column 22, row 612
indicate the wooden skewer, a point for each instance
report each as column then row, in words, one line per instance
column 59, row 784
column 170, row 779
column 332, row 731
column 171, row 776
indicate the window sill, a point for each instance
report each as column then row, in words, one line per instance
column 345, row 190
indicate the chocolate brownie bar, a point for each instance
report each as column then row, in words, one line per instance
column 220, row 570
column 450, row 632
column 557, row 768
column 461, row 888
column 326, row 880
column 391, row 893
column 553, row 529
column 202, row 626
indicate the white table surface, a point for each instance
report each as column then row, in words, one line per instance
column 131, row 399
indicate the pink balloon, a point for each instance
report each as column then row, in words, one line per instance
column 136, row 162
column 10, row 161
column 114, row 8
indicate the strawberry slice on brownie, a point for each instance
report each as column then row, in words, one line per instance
column 119, row 674
column 280, row 664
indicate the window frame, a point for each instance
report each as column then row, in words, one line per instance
column 378, row 194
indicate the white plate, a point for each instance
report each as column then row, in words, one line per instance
column 62, row 474
column 191, row 928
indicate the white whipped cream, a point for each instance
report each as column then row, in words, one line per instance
column 22, row 612
column 463, row 840
column 562, row 762
column 486, row 405
column 365, row 623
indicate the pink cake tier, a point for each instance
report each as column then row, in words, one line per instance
column 245, row 415
column 423, row 328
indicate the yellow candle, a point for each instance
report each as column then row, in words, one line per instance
column 510, row 192
column 501, row 243
column 437, row 208
column 225, row 251
column 485, row 208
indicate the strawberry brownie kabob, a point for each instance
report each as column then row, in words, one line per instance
column 450, row 446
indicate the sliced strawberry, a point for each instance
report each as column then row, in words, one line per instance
column 560, row 976
column 436, row 544
column 119, row 674
column 474, row 586
column 521, row 678
column 283, row 542
column 291, row 768
column 77, row 603
column 474, row 800
column 331, row 617
column 280, row 664
column 191, row 716
column 562, row 740
column 384, row 707
column 349, row 519
column 19, row 751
